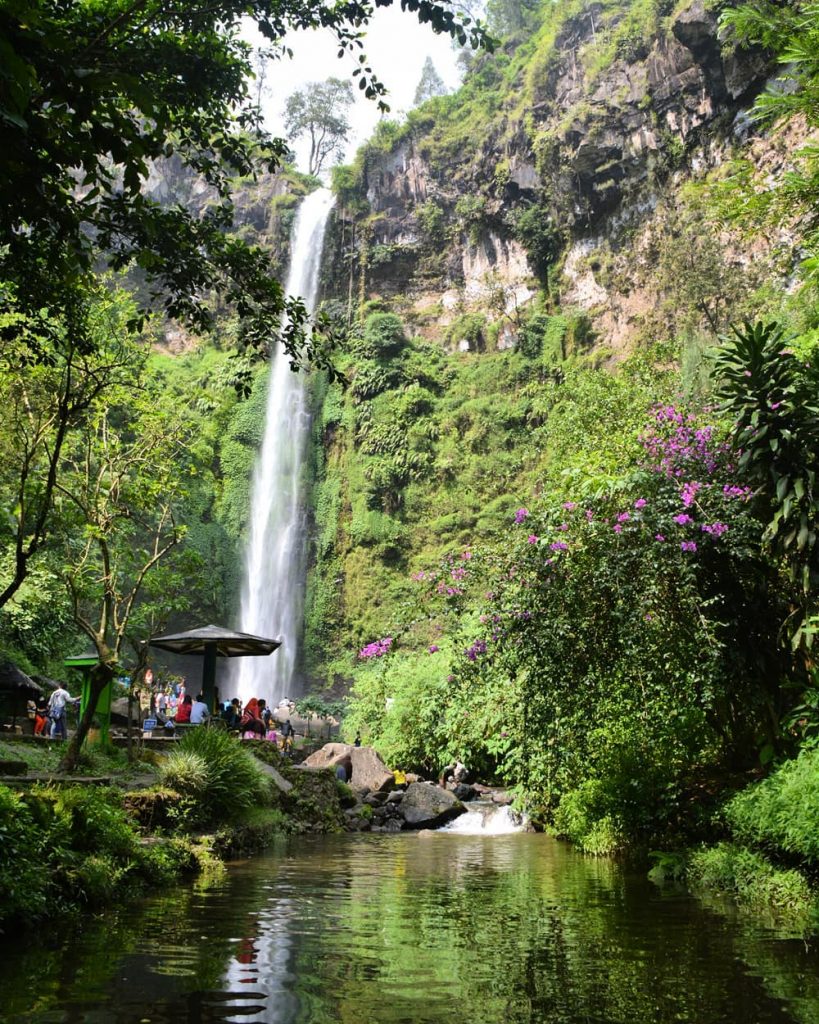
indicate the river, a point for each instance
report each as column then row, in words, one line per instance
column 409, row 929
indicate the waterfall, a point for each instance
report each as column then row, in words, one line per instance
column 274, row 580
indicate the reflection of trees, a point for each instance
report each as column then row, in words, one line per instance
column 437, row 930
column 148, row 955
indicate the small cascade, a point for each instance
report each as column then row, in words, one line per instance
column 274, row 581
column 486, row 819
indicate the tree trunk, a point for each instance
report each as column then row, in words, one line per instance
column 101, row 676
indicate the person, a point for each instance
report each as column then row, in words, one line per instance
column 173, row 705
column 357, row 740
column 41, row 716
column 56, row 711
column 455, row 771
column 287, row 736
column 265, row 713
column 183, row 712
column 400, row 777
column 251, row 725
column 162, row 703
column 233, row 713
column 200, row 712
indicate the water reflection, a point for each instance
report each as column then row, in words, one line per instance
column 422, row 929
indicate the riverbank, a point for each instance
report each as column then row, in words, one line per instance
column 118, row 829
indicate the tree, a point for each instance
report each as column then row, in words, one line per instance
column 771, row 396
column 431, row 84
column 92, row 94
column 48, row 383
column 124, row 480
column 508, row 17
column 320, row 112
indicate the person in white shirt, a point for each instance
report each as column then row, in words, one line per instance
column 199, row 712
column 56, row 711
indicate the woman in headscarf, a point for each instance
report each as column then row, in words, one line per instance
column 251, row 721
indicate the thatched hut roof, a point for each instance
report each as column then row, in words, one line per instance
column 14, row 680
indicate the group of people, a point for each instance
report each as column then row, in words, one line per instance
column 49, row 713
column 169, row 703
column 256, row 721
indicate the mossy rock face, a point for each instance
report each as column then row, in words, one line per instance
column 314, row 803
column 152, row 807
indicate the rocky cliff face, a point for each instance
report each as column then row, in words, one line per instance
column 591, row 161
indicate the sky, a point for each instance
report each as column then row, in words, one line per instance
column 397, row 46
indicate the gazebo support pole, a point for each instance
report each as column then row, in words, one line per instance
column 209, row 675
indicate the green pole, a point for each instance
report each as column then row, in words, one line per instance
column 209, row 675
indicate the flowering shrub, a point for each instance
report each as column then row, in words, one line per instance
column 377, row 649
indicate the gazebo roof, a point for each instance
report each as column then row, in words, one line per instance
column 227, row 642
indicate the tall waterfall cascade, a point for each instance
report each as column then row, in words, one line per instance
column 274, row 579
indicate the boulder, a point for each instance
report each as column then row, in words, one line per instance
column 279, row 781
column 369, row 771
column 428, row 806
column 463, row 791
column 502, row 798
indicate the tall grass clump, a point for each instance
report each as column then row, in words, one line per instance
column 234, row 778
column 185, row 772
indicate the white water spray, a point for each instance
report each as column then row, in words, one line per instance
column 486, row 819
column 273, row 590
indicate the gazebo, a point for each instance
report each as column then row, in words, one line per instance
column 212, row 642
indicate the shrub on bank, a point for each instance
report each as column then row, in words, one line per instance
column 72, row 845
column 749, row 878
column 781, row 813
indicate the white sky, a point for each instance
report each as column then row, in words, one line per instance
column 397, row 46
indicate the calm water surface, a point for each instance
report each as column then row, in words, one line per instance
column 440, row 929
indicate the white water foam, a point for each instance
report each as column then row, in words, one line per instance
column 486, row 820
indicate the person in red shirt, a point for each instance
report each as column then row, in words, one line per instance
column 183, row 712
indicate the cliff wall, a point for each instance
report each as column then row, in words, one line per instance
column 557, row 169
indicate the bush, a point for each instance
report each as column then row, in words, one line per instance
column 749, row 877
column 24, row 869
column 781, row 813
column 583, row 818
column 385, row 333
column 235, row 779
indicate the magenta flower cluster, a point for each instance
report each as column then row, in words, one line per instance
column 520, row 515
column 714, row 529
column 676, row 445
column 377, row 649
column 475, row 649
column 688, row 493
